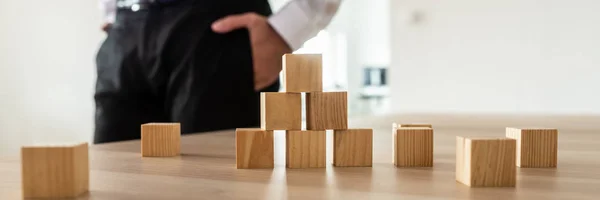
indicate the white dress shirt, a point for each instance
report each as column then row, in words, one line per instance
column 296, row 22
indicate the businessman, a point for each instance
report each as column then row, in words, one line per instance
column 202, row 63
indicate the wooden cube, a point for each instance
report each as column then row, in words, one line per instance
column 305, row 149
column 353, row 148
column 413, row 147
column 280, row 111
column 395, row 126
column 326, row 110
column 55, row 172
column 253, row 148
column 161, row 139
column 302, row 73
column 536, row 147
column 486, row 162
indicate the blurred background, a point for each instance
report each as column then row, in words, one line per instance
column 395, row 57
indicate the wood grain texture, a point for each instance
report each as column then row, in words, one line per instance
column 486, row 162
column 353, row 148
column 305, row 149
column 82, row 168
column 302, row 73
column 254, row 148
column 161, row 139
column 327, row 110
column 415, row 125
column 55, row 172
column 463, row 162
column 206, row 168
column 536, row 147
column 413, row 147
column 280, row 111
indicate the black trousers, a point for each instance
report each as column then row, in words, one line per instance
column 165, row 64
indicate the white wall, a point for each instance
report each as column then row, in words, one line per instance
column 367, row 26
column 502, row 56
column 47, row 71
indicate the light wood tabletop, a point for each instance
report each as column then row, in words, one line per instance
column 206, row 170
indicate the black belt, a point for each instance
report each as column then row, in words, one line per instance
column 136, row 5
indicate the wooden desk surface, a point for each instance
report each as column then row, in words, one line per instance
column 206, row 170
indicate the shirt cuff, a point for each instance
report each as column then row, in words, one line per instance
column 108, row 8
column 293, row 25
column 110, row 17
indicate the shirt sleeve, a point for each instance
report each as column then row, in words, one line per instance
column 300, row 20
column 108, row 9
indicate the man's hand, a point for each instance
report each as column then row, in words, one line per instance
column 105, row 27
column 267, row 45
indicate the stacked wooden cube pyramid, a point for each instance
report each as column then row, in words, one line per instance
column 305, row 148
